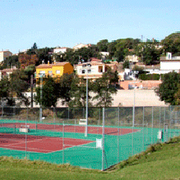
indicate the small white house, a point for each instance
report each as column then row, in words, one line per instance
column 79, row 46
column 132, row 58
column 60, row 50
column 170, row 63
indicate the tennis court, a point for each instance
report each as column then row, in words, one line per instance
column 108, row 142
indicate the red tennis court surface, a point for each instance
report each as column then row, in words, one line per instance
column 78, row 128
column 41, row 144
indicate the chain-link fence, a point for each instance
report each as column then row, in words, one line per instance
column 63, row 135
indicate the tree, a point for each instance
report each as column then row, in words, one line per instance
column 172, row 43
column 15, row 86
column 44, row 55
column 49, row 92
column 30, row 70
column 78, row 92
column 102, row 45
column 10, row 61
column 26, row 60
column 148, row 52
column 111, row 48
column 104, row 88
column 64, row 87
column 4, row 87
column 168, row 88
column 177, row 96
column 33, row 50
column 19, row 85
column 126, row 64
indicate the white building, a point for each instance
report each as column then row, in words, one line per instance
column 79, row 46
column 60, row 50
column 170, row 63
column 4, row 55
column 132, row 58
column 94, row 69
column 104, row 54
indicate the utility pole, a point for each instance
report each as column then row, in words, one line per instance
column 31, row 91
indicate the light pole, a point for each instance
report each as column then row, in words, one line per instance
column 87, row 67
column 134, row 106
column 40, row 113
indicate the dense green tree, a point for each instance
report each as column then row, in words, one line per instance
column 19, row 85
column 177, row 96
column 47, row 92
column 111, row 48
column 148, row 52
column 126, row 64
column 78, row 92
column 169, row 87
column 44, row 55
column 4, row 87
column 171, row 43
column 15, row 86
column 30, row 70
column 64, row 87
column 104, row 89
column 123, row 47
column 10, row 62
column 33, row 50
column 102, row 45
column 81, row 54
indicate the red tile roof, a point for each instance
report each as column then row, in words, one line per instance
column 51, row 65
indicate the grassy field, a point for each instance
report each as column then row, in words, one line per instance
column 160, row 161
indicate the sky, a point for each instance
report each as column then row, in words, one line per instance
column 66, row 23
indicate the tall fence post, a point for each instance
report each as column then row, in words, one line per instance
column 143, row 129
column 103, row 115
column 152, row 125
column 63, row 145
column 118, row 135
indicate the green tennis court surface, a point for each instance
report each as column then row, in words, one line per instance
column 57, row 143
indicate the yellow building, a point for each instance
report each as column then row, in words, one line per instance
column 55, row 70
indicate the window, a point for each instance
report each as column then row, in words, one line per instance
column 42, row 73
column 57, row 71
column 83, row 71
column 49, row 72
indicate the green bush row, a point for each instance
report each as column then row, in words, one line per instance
column 149, row 76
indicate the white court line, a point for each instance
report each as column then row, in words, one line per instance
column 73, row 145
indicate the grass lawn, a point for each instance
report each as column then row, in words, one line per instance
column 160, row 161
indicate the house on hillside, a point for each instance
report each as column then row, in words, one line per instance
column 169, row 63
column 104, row 54
column 55, row 70
column 6, row 72
column 79, row 46
column 4, row 55
column 94, row 68
column 60, row 50
column 132, row 59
